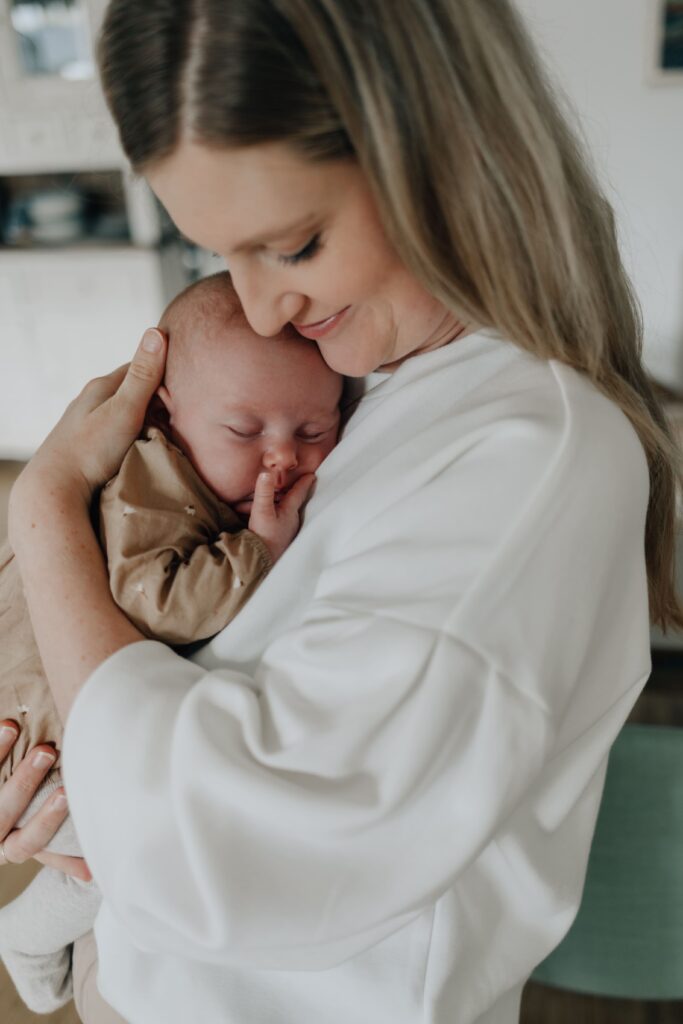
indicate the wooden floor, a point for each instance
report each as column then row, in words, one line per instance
column 542, row 1005
column 662, row 703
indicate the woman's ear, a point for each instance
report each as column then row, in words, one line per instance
column 160, row 410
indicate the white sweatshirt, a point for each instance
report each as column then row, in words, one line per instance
column 371, row 798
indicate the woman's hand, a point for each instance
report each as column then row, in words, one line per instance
column 88, row 444
column 20, row 844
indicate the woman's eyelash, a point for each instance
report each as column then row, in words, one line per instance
column 308, row 251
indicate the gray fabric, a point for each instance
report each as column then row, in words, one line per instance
column 38, row 928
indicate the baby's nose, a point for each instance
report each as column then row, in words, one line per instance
column 281, row 457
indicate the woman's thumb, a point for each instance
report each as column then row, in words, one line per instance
column 146, row 369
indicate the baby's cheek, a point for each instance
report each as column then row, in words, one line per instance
column 321, row 454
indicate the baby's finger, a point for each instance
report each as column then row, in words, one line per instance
column 297, row 494
column 16, row 794
column 33, row 837
column 9, row 731
column 263, row 505
column 76, row 867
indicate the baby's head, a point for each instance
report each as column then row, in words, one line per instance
column 238, row 403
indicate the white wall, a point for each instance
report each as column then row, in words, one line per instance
column 599, row 50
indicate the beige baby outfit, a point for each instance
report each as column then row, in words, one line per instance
column 181, row 565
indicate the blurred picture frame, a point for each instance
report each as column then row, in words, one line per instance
column 665, row 65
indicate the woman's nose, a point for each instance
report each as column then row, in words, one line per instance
column 266, row 305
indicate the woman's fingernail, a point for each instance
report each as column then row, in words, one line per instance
column 42, row 760
column 151, row 341
column 59, row 802
column 7, row 733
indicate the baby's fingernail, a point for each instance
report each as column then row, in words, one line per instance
column 7, row 733
column 42, row 760
column 151, row 341
column 59, row 802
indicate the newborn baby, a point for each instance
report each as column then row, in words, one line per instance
column 203, row 505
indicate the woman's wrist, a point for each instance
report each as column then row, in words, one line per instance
column 76, row 623
column 42, row 499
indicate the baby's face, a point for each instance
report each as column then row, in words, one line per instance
column 256, row 404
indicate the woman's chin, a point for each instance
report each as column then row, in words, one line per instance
column 347, row 362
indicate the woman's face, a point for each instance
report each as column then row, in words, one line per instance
column 304, row 244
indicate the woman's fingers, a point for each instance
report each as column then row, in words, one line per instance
column 74, row 866
column 99, row 389
column 16, row 794
column 9, row 731
column 20, row 844
column 31, row 839
column 87, row 445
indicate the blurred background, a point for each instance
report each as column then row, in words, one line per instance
column 88, row 259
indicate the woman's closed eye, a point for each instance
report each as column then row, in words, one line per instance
column 307, row 253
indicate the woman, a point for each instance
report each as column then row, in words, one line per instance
column 373, row 796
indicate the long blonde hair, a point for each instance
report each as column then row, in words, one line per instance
column 482, row 185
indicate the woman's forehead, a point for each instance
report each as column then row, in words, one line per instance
column 241, row 197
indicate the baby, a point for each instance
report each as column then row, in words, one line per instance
column 203, row 505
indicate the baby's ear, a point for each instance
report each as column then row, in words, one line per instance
column 159, row 410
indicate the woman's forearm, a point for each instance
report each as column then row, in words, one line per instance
column 76, row 622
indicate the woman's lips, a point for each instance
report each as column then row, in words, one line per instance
column 322, row 327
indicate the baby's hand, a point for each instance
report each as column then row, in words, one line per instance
column 277, row 524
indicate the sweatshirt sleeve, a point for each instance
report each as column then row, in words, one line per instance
column 181, row 564
column 295, row 817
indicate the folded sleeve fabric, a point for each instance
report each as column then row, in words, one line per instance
column 181, row 562
column 389, row 766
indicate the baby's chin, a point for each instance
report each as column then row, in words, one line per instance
column 237, row 504
column 242, row 508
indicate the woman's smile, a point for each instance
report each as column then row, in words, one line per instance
column 379, row 314
column 321, row 327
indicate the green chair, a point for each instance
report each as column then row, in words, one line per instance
column 627, row 939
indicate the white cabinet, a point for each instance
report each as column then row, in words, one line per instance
column 66, row 316
column 77, row 311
